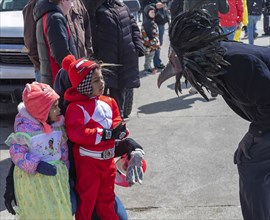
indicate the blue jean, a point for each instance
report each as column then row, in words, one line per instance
column 251, row 27
column 120, row 209
column 38, row 75
column 230, row 30
column 157, row 60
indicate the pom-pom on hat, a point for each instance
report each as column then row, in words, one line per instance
column 77, row 69
column 38, row 99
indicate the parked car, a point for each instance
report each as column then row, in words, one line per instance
column 16, row 68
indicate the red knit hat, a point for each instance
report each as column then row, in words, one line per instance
column 38, row 99
column 77, row 69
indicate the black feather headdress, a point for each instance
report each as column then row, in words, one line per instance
column 195, row 37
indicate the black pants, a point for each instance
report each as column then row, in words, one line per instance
column 254, row 181
column 119, row 96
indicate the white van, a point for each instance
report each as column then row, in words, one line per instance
column 16, row 68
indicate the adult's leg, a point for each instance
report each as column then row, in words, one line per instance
column 157, row 60
column 254, row 181
column 120, row 209
column 119, row 96
column 250, row 29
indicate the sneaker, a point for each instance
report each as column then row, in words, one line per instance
column 192, row 91
column 161, row 66
column 148, row 71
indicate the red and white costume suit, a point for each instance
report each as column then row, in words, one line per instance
column 85, row 119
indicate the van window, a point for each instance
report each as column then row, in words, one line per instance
column 12, row 5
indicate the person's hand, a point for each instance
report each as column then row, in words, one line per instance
column 9, row 195
column 243, row 148
column 134, row 169
column 118, row 132
column 46, row 169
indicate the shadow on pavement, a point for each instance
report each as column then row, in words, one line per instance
column 173, row 104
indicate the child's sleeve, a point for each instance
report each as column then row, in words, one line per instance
column 19, row 152
column 77, row 132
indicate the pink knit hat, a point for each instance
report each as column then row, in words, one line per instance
column 38, row 99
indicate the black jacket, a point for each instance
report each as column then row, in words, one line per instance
column 60, row 40
column 255, row 7
column 212, row 6
column 247, row 83
column 117, row 40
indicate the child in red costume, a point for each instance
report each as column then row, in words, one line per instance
column 93, row 123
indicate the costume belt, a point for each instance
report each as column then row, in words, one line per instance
column 101, row 155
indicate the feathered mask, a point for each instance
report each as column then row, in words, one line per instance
column 195, row 38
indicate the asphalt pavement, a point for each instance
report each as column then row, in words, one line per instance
column 189, row 145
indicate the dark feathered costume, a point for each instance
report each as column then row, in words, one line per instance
column 195, row 38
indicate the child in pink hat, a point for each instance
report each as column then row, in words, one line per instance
column 39, row 151
column 93, row 123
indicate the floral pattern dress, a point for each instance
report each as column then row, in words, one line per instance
column 39, row 196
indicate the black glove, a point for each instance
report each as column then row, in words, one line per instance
column 46, row 169
column 117, row 133
column 243, row 148
column 133, row 145
column 126, row 146
column 9, row 195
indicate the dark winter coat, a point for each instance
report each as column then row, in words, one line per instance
column 255, row 7
column 79, row 24
column 60, row 40
column 176, row 6
column 212, row 6
column 249, row 69
column 117, row 40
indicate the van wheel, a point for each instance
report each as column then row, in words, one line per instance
column 128, row 102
